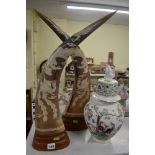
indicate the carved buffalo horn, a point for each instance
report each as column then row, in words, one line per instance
column 78, row 37
column 60, row 33
column 50, row 131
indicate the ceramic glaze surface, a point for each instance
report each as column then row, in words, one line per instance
column 104, row 119
column 107, row 87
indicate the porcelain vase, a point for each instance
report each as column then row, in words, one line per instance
column 104, row 119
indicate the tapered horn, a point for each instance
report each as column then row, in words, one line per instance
column 60, row 33
column 50, row 132
column 78, row 37
column 74, row 110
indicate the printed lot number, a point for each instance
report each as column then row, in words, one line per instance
column 51, row 146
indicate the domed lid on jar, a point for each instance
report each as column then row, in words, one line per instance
column 107, row 88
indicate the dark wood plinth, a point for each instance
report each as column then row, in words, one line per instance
column 50, row 142
column 74, row 123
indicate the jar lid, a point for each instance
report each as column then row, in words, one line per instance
column 105, row 98
column 107, row 87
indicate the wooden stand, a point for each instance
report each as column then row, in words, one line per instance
column 28, row 111
column 50, row 141
column 74, row 123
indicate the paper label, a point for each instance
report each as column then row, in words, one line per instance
column 56, row 138
column 51, row 146
column 75, row 121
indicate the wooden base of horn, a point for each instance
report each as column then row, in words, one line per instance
column 74, row 123
column 50, row 141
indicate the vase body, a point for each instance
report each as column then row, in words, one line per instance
column 104, row 119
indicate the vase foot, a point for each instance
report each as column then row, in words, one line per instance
column 74, row 123
column 50, row 141
column 101, row 141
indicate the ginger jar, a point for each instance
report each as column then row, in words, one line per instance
column 103, row 113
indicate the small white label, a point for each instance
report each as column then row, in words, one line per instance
column 51, row 146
